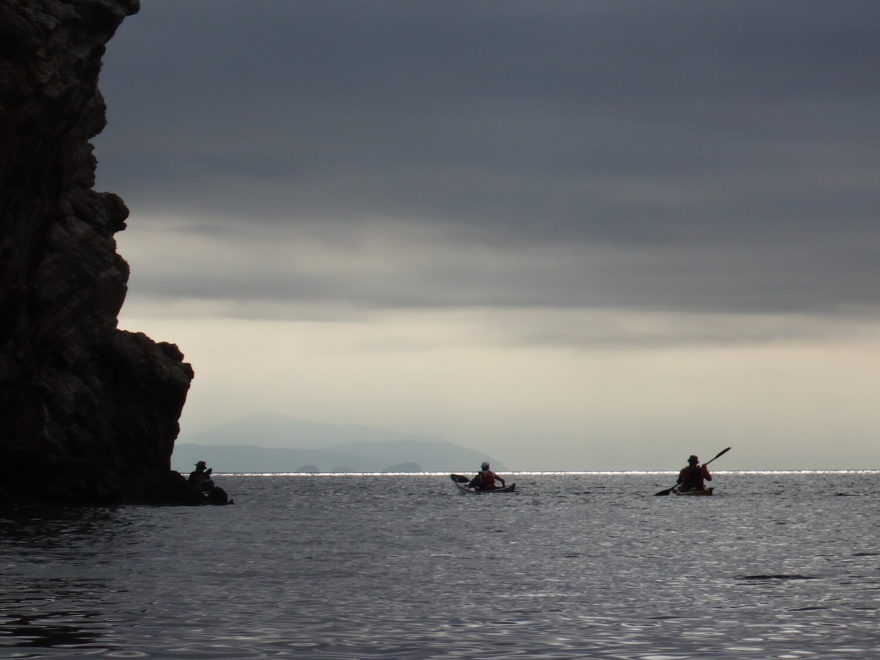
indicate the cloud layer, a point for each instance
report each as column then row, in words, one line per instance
column 581, row 235
column 684, row 155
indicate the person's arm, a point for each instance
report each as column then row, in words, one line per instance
column 706, row 475
column 501, row 479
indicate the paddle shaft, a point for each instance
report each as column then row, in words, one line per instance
column 718, row 455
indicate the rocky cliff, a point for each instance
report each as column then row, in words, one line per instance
column 88, row 412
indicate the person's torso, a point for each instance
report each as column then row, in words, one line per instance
column 692, row 476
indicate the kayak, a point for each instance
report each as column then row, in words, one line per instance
column 706, row 491
column 463, row 488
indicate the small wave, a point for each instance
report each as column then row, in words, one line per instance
column 806, row 609
column 778, row 576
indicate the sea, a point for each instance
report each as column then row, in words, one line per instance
column 570, row 565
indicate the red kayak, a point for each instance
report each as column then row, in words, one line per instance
column 705, row 491
column 462, row 488
column 463, row 485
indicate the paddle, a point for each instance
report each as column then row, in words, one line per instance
column 459, row 478
column 718, row 455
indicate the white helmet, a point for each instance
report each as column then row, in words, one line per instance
column 485, row 465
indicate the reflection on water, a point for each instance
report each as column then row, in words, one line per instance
column 775, row 565
column 51, row 602
column 59, row 629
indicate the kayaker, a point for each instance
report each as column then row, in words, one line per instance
column 692, row 476
column 485, row 479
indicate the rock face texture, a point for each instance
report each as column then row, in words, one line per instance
column 88, row 413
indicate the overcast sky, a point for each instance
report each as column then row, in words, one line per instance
column 580, row 235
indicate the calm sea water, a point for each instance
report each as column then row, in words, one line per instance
column 572, row 566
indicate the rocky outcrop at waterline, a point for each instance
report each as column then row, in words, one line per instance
column 88, row 412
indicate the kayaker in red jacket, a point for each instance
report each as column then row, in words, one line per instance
column 691, row 477
column 485, row 479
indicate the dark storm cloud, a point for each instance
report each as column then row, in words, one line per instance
column 727, row 153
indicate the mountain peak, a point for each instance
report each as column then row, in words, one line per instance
column 267, row 441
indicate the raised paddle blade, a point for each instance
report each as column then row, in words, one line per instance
column 458, row 478
column 718, row 455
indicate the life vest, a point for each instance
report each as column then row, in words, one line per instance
column 487, row 479
column 691, row 477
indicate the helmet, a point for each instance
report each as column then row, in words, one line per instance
column 693, row 460
column 484, row 465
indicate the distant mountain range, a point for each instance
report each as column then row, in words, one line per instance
column 271, row 442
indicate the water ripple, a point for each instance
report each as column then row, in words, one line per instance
column 348, row 567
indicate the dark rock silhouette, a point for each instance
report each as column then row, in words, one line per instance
column 88, row 413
